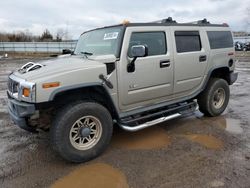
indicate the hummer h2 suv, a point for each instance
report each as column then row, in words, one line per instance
column 132, row 75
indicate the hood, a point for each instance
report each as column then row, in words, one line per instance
column 63, row 64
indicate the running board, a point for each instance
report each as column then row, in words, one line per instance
column 149, row 123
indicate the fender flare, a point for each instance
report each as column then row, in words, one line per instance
column 210, row 73
column 82, row 86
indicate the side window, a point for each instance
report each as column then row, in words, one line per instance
column 155, row 41
column 220, row 39
column 187, row 41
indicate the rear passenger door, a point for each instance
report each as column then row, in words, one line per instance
column 190, row 58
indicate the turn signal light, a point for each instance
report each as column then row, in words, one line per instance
column 51, row 84
column 26, row 92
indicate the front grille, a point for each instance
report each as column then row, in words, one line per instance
column 12, row 86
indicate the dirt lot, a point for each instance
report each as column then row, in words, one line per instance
column 191, row 151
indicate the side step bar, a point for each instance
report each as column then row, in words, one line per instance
column 150, row 119
column 149, row 123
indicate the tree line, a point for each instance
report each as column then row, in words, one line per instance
column 26, row 36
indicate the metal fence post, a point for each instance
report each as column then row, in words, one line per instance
column 25, row 47
column 13, row 44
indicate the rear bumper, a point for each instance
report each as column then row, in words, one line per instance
column 20, row 112
column 233, row 77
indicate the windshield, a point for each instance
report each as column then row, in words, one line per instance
column 104, row 41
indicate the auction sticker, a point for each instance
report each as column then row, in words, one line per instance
column 110, row 36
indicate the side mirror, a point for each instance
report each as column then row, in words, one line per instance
column 139, row 51
column 67, row 51
column 136, row 51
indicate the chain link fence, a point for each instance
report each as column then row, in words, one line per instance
column 39, row 47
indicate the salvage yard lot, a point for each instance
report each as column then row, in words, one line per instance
column 192, row 151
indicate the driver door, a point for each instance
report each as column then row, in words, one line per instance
column 152, row 79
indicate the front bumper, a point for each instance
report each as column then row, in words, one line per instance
column 233, row 77
column 20, row 112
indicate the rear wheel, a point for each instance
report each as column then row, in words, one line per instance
column 81, row 131
column 214, row 99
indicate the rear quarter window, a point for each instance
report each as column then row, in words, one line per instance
column 187, row 41
column 220, row 39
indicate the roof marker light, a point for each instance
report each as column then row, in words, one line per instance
column 125, row 22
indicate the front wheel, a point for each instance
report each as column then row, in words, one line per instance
column 214, row 99
column 81, row 131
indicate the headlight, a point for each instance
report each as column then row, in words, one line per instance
column 27, row 91
column 21, row 89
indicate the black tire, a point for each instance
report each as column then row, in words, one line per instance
column 62, row 125
column 207, row 99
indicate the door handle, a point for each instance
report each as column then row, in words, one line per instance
column 202, row 58
column 164, row 63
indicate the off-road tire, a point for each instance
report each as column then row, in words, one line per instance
column 62, row 124
column 206, row 98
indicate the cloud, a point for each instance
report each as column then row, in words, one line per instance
column 77, row 16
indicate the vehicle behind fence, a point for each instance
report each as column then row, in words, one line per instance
column 39, row 47
column 243, row 39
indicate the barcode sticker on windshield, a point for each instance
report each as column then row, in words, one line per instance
column 110, row 36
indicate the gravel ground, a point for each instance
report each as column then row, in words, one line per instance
column 192, row 151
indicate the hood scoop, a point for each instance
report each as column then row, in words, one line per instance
column 30, row 66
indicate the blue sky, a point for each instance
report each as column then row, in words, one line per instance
column 77, row 16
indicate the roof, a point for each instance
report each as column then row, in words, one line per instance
column 170, row 22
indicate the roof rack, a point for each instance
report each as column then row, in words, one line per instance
column 170, row 20
column 166, row 20
column 204, row 21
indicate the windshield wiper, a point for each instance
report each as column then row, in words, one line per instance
column 86, row 54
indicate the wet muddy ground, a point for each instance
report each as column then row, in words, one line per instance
column 193, row 151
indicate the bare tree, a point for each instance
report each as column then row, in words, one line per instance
column 4, row 37
column 46, row 36
column 27, row 36
column 60, row 34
